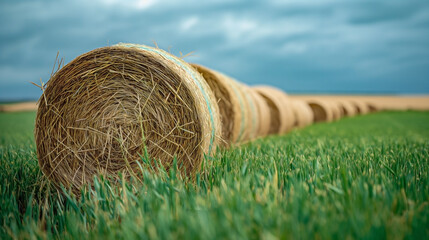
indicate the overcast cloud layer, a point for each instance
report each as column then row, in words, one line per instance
column 299, row 46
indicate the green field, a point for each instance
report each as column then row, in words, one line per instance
column 363, row 177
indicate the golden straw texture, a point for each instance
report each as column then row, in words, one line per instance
column 336, row 110
column 264, row 115
column 107, row 108
column 282, row 116
column 361, row 106
column 322, row 110
column 348, row 108
column 228, row 102
column 303, row 113
column 252, row 113
column 240, row 100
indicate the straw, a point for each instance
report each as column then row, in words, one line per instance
column 110, row 108
column 229, row 105
column 282, row 116
column 303, row 113
column 348, row 108
column 322, row 111
column 263, row 110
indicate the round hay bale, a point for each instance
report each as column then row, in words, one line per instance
column 243, row 104
column 250, row 112
column 373, row 107
column 308, row 112
column 290, row 121
column 361, row 107
column 109, row 107
column 303, row 113
column 282, row 116
column 336, row 110
column 348, row 108
column 253, row 118
column 263, row 111
column 322, row 110
column 229, row 104
column 276, row 114
column 340, row 108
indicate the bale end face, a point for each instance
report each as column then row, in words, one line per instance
column 104, row 110
column 322, row 112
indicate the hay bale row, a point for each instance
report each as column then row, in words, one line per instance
column 18, row 107
column 332, row 109
column 109, row 108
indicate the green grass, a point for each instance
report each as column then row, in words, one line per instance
column 364, row 177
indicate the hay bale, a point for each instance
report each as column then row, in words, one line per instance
column 231, row 113
column 282, row 116
column 322, row 110
column 263, row 111
column 303, row 113
column 308, row 112
column 275, row 106
column 348, row 108
column 373, row 107
column 245, row 109
column 336, row 110
column 105, row 109
column 361, row 107
column 259, row 118
column 340, row 108
column 252, row 113
column 290, row 121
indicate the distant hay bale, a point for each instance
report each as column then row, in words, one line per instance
column 303, row 113
column 244, row 126
column 348, row 108
column 282, row 116
column 252, row 120
column 373, row 107
column 263, row 111
column 275, row 106
column 361, row 107
column 322, row 110
column 290, row 121
column 18, row 107
column 231, row 114
column 100, row 113
column 259, row 118
column 340, row 108
column 336, row 110
column 251, row 112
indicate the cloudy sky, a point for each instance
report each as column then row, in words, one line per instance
column 331, row 46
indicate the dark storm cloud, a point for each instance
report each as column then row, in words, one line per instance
column 300, row 46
